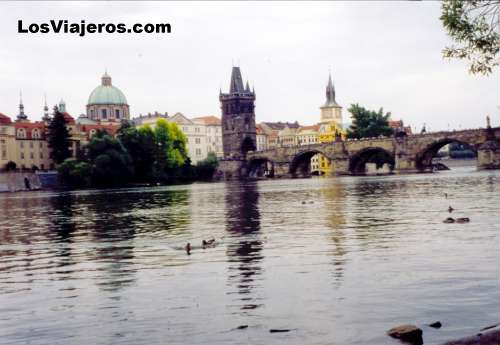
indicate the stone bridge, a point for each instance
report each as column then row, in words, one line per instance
column 411, row 153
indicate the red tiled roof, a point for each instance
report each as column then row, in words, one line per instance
column 208, row 120
column 29, row 127
column 69, row 119
column 4, row 119
column 112, row 129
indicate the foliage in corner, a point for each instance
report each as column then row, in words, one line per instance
column 474, row 26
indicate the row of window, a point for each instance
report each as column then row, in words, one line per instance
column 104, row 113
column 32, row 155
column 40, row 144
column 185, row 129
column 35, row 133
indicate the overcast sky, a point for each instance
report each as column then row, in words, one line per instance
column 381, row 54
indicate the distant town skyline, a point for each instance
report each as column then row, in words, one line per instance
column 379, row 54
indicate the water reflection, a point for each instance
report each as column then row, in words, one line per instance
column 244, row 252
column 334, row 195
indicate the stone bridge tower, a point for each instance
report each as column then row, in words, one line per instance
column 238, row 118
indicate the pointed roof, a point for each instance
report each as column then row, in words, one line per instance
column 21, row 116
column 330, row 94
column 4, row 119
column 180, row 119
column 236, row 85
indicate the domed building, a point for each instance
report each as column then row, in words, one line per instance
column 107, row 103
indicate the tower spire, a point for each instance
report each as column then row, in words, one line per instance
column 45, row 109
column 330, row 93
column 21, row 116
column 236, row 85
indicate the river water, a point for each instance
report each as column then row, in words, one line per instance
column 335, row 260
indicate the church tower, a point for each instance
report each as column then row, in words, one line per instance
column 331, row 111
column 238, row 118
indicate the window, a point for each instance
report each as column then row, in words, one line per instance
column 22, row 155
column 197, row 129
column 41, row 144
column 91, row 113
column 4, row 154
column 31, row 144
column 21, row 144
column 32, row 155
column 41, row 155
column 35, row 134
column 21, row 133
column 185, row 129
column 198, row 152
column 197, row 141
column 104, row 113
column 117, row 113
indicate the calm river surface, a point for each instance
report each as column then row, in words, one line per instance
column 360, row 256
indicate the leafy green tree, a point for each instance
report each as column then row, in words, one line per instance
column 74, row 173
column 140, row 144
column 58, row 137
column 474, row 25
column 205, row 169
column 171, row 149
column 368, row 123
column 110, row 162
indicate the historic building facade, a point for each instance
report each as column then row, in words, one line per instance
column 238, row 118
column 107, row 103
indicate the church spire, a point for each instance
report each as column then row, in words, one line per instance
column 247, row 88
column 21, row 116
column 45, row 110
column 330, row 93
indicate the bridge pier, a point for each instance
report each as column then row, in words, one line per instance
column 488, row 154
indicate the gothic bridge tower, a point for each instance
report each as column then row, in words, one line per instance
column 238, row 118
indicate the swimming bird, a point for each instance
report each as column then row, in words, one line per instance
column 463, row 220
column 449, row 220
column 450, row 209
column 188, row 248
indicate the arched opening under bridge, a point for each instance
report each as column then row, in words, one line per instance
column 372, row 160
column 309, row 163
column 260, row 168
column 446, row 154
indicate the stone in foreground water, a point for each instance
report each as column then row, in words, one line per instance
column 408, row 333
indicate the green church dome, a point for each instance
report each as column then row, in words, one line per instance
column 107, row 93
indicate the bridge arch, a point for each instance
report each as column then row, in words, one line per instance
column 260, row 166
column 377, row 155
column 301, row 162
column 424, row 157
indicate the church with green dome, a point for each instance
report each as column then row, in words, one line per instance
column 107, row 103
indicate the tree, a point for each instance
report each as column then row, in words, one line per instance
column 140, row 144
column 171, row 149
column 474, row 25
column 58, row 137
column 74, row 173
column 110, row 163
column 205, row 169
column 368, row 123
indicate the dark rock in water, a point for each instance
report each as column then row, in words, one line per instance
column 436, row 324
column 274, row 330
column 408, row 333
column 242, row 327
column 489, row 338
column 449, row 220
